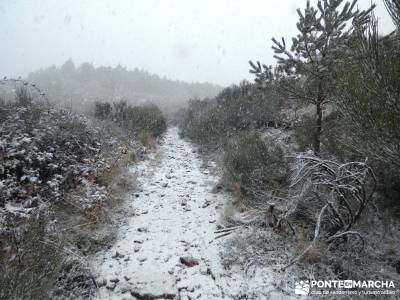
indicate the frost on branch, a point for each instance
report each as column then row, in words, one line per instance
column 329, row 197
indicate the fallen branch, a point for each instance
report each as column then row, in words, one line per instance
column 222, row 235
column 338, row 235
column 148, row 296
column 228, row 229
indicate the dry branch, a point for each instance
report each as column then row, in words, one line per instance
column 316, row 234
column 337, row 193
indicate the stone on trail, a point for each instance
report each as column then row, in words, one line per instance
column 189, row 261
column 117, row 255
column 142, row 229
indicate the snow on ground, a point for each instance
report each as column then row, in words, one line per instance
column 174, row 216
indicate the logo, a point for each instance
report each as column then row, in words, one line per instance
column 344, row 287
column 302, row 287
column 348, row 284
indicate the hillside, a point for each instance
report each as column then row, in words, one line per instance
column 84, row 84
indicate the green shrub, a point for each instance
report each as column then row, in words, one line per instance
column 235, row 109
column 303, row 133
column 31, row 258
column 102, row 110
column 333, row 136
column 202, row 122
column 257, row 168
column 147, row 118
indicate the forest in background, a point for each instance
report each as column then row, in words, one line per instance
column 80, row 86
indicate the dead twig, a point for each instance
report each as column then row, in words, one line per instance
column 148, row 296
column 222, row 235
column 228, row 229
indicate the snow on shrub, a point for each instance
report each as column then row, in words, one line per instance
column 45, row 152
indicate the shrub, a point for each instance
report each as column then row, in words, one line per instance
column 44, row 152
column 237, row 108
column 134, row 118
column 258, row 167
column 146, row 118
column 147, row 139
column 102, row 110
column 202, row 122
column 333, row 136
column 27, row 274
column 50, row 162
column 23, row 96
column 328, row 200
column 303, row 132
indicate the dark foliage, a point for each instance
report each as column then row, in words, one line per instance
column 235, row 109
column 44, row 151
column 255, row 168
column 102, row 110
column 136, row 119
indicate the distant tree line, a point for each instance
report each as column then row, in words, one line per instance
column 80, row 86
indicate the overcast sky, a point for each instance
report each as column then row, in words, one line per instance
column 190, row 40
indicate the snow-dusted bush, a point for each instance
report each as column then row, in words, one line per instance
column 102, row 110
column 345, row 189
column 236, row 108
column 44, row 151
column 202, row 122
column 327, row 199
column 56, row 171
column 23, row 96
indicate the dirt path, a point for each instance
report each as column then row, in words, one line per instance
column 172, row 216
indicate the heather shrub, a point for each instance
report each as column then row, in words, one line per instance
column 148, row 118
column 256, row 167
column 102, row 110
column 235, row 109
column 136, row 119
column 23, row 96
column 333, row 136
column 202, row 122
column 50, row 164
column 43, row 155
column 28, row 274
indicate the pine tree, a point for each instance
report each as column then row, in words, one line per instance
column 368, row 93
column 393, row 7
column 305, row 70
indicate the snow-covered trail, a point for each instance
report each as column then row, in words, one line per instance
column 173, row 215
